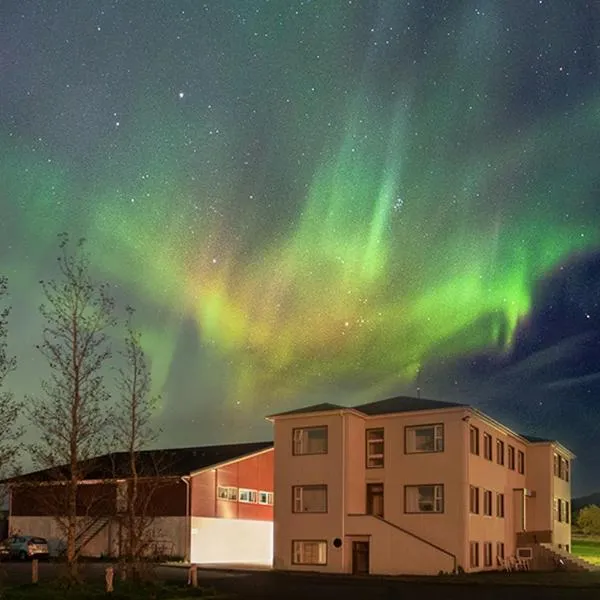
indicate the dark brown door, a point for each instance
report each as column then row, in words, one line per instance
column 360, row 558
column 375, row 499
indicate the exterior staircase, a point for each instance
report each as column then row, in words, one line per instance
column 567, row 561
column 90, row 532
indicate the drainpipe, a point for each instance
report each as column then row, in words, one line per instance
column 344, row 478
column 188, row 520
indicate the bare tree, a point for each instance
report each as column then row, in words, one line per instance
column 71, row 415
column 10, row 432
column 134, row 433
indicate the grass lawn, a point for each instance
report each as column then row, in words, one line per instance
column 587, row 548
column 56, row 591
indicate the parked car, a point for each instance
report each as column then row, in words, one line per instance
column 24, row 547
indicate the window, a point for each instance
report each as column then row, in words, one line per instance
column 487, row 554
column 424, row 438
column 556, row 465
column 567, row 547
column 567, row 514
column 521, row 462
column 309, row 552
column 500, row 452
column 474, row 554
column 474, row 440
column 424, row 499
column 511, row 458
column 248, row 496
column 487, row 503
column 474, row 500
column 500, row 505
column 226, row 493
column 375, row 499
column 265, row 497
column 557, row 509
column 309, row 498
column 500, row 549
column 566, row 469
column 310, row 440
column 487, row 446
column 374, row 448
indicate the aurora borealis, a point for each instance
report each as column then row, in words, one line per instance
column 318, row 200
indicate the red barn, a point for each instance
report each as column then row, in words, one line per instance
column 211, row 504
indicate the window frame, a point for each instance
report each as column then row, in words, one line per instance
column 250, row 493
column 474, row 554
column 228, row 497
column 313, row 487
column 369, row 455
column 488, row 446
column 474, row 500
column 500, row 550
column 441, row 499
column 270, row 496
column 500, row 508
column 521, row 462
column 436, row 438
column 474, row 441
column 488, row 508
column 488, row 554
column 511, row 457
column 298, row 442
column 305, row 563
column 500, row 452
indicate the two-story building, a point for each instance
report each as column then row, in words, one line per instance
column 412, row 486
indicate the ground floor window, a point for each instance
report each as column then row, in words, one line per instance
column 500, row 550
column 265, row 497
column 474, row 554
column 487, row 554
column 309, row 552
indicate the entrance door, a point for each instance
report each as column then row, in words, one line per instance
column 375, row 499
column 360, row 558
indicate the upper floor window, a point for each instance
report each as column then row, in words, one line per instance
column 309, row 498
column 567, row 513
column 265, row 497
column 374, row 448
column 566, row 469
column 474, row 440
column 227, row 493
column 521, row 462
column 500, row 452
column 500, row 505
column 561, row 467
column 487, row 446
column 558, row 510
column 310, row 440
column 556, row 465
column 424, row 438
column 474, row 500
column 487, row 503
column 248, row 496
column 424, row 498
column 511, row 457
column 309, row 552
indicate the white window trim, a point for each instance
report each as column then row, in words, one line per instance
column 269, row 498
column 298, row 440
column 251, row 496
column 438, row 499
column 231, row 493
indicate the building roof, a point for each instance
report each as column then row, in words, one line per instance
column 398, row 404
column 402, row 404
column 534, row 439
column 169, row 462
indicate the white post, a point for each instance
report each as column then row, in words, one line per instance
column 108, row 577
column 34, row 570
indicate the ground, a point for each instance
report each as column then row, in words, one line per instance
column 269, row 585
column 587, row 548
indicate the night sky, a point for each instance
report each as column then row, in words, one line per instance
column 314, row 201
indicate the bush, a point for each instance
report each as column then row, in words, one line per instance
column 588, row 520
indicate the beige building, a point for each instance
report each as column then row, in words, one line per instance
column 413, row 486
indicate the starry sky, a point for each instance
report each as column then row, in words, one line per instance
column 318, row 200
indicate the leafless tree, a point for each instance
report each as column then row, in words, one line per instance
column 10, row 432
column 71, row 414
column 134, row 433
